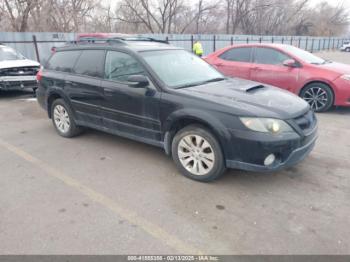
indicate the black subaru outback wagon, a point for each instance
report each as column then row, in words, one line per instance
column 162, row 95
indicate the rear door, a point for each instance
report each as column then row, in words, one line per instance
column 235, row 62
column 131, row 111
column 269, row 69
column 84, row 89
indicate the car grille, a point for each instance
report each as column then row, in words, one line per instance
column 20, row 71
column 306, row 122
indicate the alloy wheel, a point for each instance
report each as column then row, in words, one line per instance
column 61, row 119
column 196, row 155
column 317, row 98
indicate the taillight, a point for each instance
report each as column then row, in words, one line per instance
column 39, row 75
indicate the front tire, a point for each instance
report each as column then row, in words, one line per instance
column 62, row 119
column 347, row 49
column 319, row 96
column 197, row 154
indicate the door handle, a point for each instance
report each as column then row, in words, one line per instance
column 108, row 91
column 218, row 64
column 67, row 82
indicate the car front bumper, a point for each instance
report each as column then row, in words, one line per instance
column 289, row 151
column 18, row 82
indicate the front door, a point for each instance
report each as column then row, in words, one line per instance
column 269, row 69
column 131, row 111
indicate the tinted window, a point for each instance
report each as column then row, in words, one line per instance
column 237, row 55
column 63, row 61
column 90, row 63
column 120, row 65
column 269, row 56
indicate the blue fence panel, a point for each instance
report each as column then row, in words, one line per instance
column 23, row 42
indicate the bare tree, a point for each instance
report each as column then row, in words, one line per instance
column 18, row 12
column 261, row 17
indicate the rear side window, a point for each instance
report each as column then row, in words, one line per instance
column 242, row 54
column 63, row 61
column 90, row 63
column 119, row 66
column 269, row 56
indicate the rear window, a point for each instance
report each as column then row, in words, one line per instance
column 90, row 63
column 242, row 54
column 63, row 61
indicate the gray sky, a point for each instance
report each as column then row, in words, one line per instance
column 314, row 2
column 333, row 2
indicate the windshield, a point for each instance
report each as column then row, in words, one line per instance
column 179, row 68
column 305, row 56
column 7, row 53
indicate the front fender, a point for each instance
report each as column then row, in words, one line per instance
column 215, row 124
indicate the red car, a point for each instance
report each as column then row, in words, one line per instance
column 320, row 82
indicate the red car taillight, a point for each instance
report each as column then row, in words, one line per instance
column 39, row 75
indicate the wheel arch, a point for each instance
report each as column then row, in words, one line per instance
column 329, row 85
column 317, row 82
column 52, row 96
column 173, row 125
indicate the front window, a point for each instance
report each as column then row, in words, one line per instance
column 7, row 53
column 269, row 56
column 179, row 68
column 305, row 56
column 119, row 66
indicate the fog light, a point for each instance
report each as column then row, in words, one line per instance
column 269, row 160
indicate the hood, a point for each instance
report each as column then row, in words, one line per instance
column 17, row 63
column 337, row 68
column 250, row 98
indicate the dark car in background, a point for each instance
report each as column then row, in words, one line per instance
column 16, row 71
column 320, row 82
column 167, row 97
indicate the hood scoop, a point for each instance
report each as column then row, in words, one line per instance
column 253, row 88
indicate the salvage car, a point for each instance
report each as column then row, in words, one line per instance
column 322, row 83
column 16, row 71
column 345, row 47
column 162, row 95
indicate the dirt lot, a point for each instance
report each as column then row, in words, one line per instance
column 101, row 194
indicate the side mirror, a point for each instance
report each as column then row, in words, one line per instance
column 290, row 63
column 137, row 81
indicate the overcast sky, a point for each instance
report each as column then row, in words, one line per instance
column 334, row 2
column 314, row 2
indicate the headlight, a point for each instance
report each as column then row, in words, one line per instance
column 346, row 77
column 266, row 125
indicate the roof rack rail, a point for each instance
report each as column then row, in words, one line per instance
column 115, row 40
column 150, row 39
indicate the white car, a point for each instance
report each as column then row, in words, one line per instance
column 345, row 47
column 16, row 71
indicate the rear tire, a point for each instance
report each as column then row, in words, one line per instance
column 197, row 154
column 319, row 96
column 63, row 120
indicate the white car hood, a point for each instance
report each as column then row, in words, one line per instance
column 17, row 63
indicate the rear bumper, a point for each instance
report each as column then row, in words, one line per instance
column 18, row 82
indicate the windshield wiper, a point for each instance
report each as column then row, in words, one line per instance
column 323, row 63
column 202, row 82
column 215, row 80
